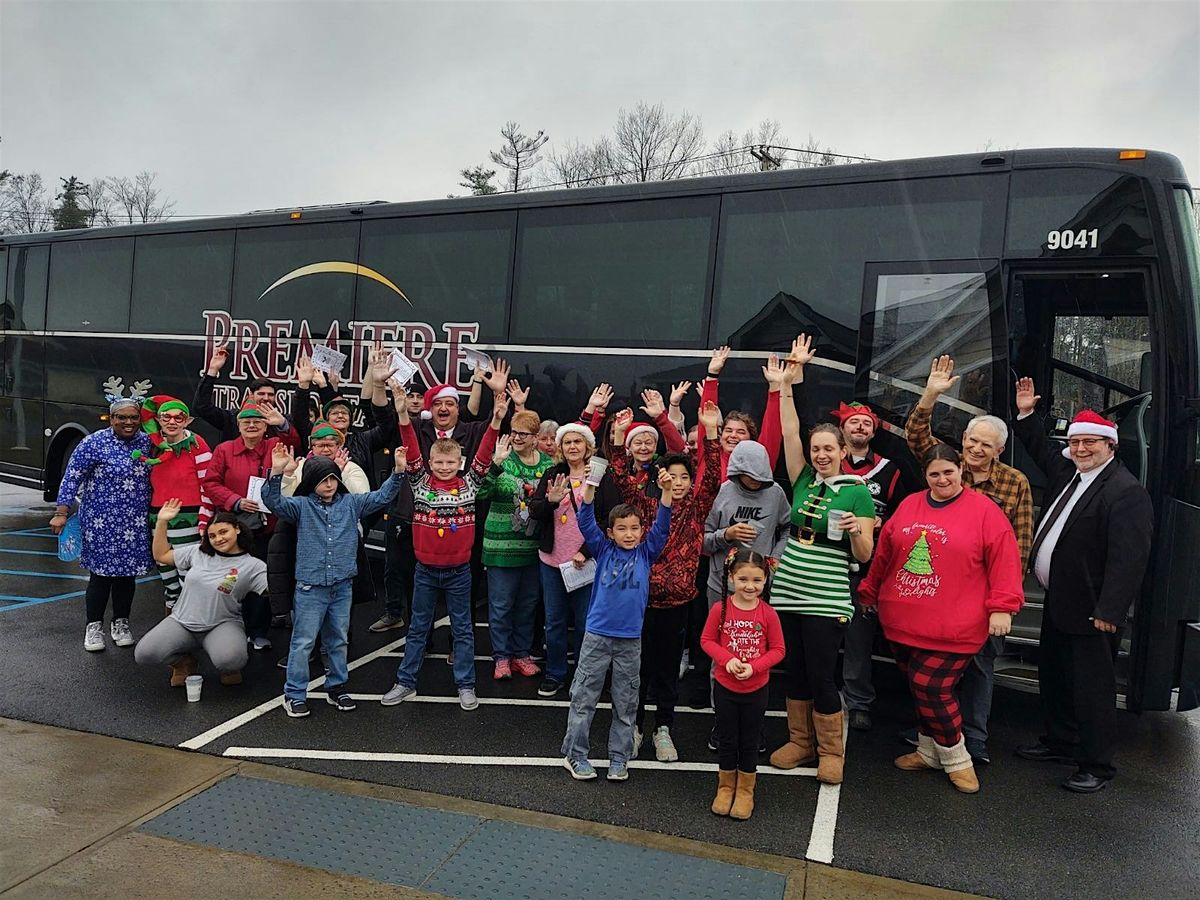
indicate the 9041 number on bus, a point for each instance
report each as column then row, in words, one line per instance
column 1066, row 239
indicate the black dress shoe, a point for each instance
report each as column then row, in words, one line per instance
column 1085, row 783
column 1041, row 753
column 860, row 720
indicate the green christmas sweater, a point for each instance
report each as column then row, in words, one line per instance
column 509, row 540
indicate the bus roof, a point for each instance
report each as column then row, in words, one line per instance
column 1156, row 164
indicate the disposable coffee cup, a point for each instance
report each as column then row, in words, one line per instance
column 834, row 524
column 193, row 684
column 597, row 466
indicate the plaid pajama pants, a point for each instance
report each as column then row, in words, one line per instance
column 932, row 676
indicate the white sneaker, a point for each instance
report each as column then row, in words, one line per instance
column 638, row 737
column 121, row 634
column 664, row 747
column 93, row 638
column 467, row 699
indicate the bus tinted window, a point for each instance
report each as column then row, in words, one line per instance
column 621, row 274
column 451, row 269
column 176, row 277
column 25, row 308
column 1067, row 213
column 265, row 255
column 89, row 285
column 792, row 261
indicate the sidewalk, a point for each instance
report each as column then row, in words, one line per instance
column 85, row 815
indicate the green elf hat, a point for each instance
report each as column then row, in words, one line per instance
column 336, row 401
column 322, row 429
column 251, row 410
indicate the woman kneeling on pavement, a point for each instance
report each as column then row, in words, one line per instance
column 219, row 574
column 946, row 574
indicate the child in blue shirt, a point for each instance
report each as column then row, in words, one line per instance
column 620, row 593
column 326, row 517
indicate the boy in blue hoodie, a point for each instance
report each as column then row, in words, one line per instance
column 620, row 593
column 326, row 517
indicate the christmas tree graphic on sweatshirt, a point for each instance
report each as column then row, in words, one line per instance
column 918, row 576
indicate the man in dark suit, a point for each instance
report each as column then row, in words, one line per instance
column 1090, row 553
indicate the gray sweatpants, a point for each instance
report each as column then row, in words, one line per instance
column 167, row 641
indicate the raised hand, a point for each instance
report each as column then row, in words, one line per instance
column 381, row 366
column 710, row 416
column 652, row 402
column 1027, row 399
column 518, row 394
column 170, row 509
column 556, row 488
column 218, row 359
column 775, row 373
column 319, row 378
column 621, row 423
column 941, row 376
column 717, row 362
column 600, row 398
column 499, row 407
column 503, row 449
column 335, row 380
column 665, row 480
column 341, row 458
column 497, row 379
column 400, row 459
column 305, row 372
column 281, row 456
column 802, row 350
column 272, row 414
column 679, row 391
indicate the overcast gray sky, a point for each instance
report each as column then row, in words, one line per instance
column 251, row 105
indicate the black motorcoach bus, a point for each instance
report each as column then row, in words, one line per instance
column 1076, row 267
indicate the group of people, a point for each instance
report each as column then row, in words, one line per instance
column 587, row 522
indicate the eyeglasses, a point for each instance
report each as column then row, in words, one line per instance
column 1088, row 442
column 172, row 417
column 522, row 434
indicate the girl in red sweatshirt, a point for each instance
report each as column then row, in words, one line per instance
column 744, row 639
column 946, row 574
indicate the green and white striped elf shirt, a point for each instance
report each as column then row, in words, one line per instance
column 814, row 578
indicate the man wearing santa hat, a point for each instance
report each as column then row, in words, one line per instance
column 1090, row 553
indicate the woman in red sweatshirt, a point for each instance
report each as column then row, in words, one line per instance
column 946, row 574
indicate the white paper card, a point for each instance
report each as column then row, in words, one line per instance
column 327, row 359
column 403, row 368
column 574, row 578
column 476, row 359
column 254, row 489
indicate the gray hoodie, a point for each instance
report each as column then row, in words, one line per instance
column 766, row 508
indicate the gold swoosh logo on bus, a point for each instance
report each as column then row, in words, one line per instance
column 347, row 267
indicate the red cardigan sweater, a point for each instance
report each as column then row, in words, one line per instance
column 939, row 571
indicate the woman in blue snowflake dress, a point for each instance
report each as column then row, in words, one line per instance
column 112, row 486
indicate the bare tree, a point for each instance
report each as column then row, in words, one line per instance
column 652, row 145
column 519, row 155
column 139, row 198
column 98, row 203
column 25, row 204
column 730, row 153
column 582, row 165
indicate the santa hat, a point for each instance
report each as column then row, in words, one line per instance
column 575, row 428
column 640, row 428
column 850, row 410
column 435, row 393
column 1090, row 423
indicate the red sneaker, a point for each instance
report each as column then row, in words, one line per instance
column 503, row 670
column 526, row 667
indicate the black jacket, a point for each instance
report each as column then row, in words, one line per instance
column 225, row 420
column 541, row 509
column 1101, row 555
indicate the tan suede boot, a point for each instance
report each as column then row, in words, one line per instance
column 743, row 797
column 956, row 762
column 924, row 757
column 831, row 747
column 726, row 783
column 183, row 667
column 231, row 678
column 800, row 750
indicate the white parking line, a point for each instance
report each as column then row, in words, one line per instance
column 207, row 737
column 544, row 762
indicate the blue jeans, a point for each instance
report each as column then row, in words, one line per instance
column 319, row 609
column 430, row 584
column 559, row 606
column 512, row 599
column 596, row 654
column 975, row 694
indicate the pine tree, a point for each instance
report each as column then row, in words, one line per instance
column 478, row 180
column 69, row 214
column 918, row 562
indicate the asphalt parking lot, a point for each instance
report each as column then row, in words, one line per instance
column 1021, row 836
